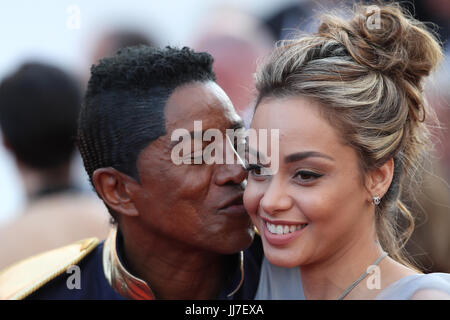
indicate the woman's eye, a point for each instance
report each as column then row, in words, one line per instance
column 307, row 176
column 255, row 170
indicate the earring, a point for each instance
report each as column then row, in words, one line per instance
column 376, row 200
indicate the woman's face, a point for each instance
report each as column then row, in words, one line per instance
column 315, row 206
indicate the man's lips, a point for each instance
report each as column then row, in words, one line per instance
column 237, row 200
column 234, row 205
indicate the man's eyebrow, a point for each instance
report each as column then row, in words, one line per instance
column 306, row 154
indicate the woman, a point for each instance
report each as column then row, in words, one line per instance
column 348, row 104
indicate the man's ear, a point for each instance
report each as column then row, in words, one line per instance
column 379, row 179
column 115, row 188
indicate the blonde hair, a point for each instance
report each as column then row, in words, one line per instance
column 369, row 83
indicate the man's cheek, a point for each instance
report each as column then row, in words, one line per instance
column 194, row 184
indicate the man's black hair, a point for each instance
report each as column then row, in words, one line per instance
column 123, row 110
column 39, row 106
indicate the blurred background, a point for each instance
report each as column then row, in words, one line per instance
column 49, row 46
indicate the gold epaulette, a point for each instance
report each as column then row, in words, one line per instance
column 25, row 277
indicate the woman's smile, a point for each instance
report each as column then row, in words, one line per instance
column 279, row 233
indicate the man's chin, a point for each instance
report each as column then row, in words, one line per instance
column 238, row 241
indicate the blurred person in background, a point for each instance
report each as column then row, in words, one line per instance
column 236, row 40
column 110, row 41
column 39, row 106
column 107, row 42
column 299, row 15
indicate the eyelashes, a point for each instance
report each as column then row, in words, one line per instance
column 306, row 176
column 301, row 176
column 254, row 169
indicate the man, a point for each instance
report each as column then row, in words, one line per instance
column 39, row 106
column 179, row 229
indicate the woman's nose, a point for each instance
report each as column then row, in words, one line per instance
column 275, row 199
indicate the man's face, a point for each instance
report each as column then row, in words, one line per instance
column 195, row 204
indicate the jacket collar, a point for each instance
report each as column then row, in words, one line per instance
column 130, row 286
column 118, row 277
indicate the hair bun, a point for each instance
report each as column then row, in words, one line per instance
column 386, row 39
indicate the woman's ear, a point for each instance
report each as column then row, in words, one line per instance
column 379, row 179
column 115, row 188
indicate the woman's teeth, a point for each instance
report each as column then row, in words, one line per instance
column 283, row 229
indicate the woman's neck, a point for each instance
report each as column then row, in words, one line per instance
column 328, row 278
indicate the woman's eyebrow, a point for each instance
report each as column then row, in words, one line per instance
column 306, row 154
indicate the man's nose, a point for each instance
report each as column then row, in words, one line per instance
column 275, row 199
column 230, row 174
